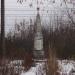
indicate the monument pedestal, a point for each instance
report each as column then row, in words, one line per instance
column 38, row 54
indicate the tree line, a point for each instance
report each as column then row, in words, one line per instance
column 59, row 43
column 62, row 39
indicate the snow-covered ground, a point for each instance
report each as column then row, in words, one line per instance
column 39, row 69
column 16, row 66
column 66, row 67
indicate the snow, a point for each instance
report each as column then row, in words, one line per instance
column 65, row 67
column 37, row 70
column 16, row 66
column 28, row 73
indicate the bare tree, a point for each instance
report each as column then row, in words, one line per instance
column 70, row 17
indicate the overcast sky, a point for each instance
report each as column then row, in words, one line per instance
column 14, row 11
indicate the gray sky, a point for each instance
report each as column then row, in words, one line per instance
column 16, row 11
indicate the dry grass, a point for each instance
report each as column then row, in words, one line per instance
column 51, row 63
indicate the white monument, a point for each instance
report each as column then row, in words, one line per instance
column 38, row 51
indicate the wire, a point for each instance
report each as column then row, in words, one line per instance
column 16, row 9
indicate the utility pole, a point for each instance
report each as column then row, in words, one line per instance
column 3, row 28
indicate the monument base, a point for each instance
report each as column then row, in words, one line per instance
column 38, row 54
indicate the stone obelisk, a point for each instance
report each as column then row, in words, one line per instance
column 38, row 51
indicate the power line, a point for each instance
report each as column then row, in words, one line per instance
column 17, row 9
column 30, row 15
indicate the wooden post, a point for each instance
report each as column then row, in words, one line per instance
column 3, row 36
column 3, row 28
